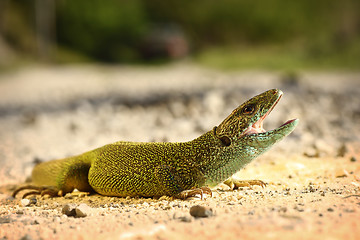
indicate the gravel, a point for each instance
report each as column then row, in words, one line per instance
column 58, row 111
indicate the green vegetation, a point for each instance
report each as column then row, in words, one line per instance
column 278, row 58
column 105, row 30
column 230, row 34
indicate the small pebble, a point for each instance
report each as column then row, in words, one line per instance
column 201, row 211
column 25, row 202
column 19, row 212
column 252, row 212
column 82, row 210
column 26, row 237
column 69, row 196
column 342, row 151
column 340, row 173
column 185, row 219
column 37, row 221
column 69, row 209
column 283, row 209
column 349, row 210
column 82, row 194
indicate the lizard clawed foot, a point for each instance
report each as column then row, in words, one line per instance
column 38, row 190
column 193, row 192
column 235, row 184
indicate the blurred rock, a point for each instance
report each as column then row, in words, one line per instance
column 25, row 202
column 201, row 211
column 82, row 210
column 69, row 209
column 342, row 151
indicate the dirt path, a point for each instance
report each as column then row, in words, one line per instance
column 313, row 176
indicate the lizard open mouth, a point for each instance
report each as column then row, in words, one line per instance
column 257, row 127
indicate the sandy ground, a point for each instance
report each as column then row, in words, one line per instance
column 313, row 175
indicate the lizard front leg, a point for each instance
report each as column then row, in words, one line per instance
column 174, row 185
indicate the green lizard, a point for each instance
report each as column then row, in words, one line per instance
column 179, row 169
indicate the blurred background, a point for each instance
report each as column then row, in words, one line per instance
column 233, row 34
column 76, row 75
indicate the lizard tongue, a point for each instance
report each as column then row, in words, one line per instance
column 257, row 127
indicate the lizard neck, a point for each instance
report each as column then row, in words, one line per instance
column 216, row 161
column 204, row 150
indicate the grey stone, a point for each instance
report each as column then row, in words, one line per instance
column 201, row 211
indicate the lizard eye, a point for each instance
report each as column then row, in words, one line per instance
column 248, row 109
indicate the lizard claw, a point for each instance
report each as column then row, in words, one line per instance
column 193, row 192
column 38, row 190
column 235, row 184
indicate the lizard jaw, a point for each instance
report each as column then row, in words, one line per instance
column 257, row 127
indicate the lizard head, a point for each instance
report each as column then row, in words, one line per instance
column 244, row 126
column 241, row 137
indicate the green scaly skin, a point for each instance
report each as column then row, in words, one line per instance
column 157, row 169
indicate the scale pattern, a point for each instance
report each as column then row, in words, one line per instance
column 157, row 169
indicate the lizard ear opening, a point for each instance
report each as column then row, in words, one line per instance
column 225, row 140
